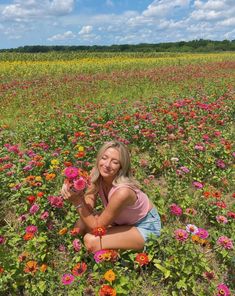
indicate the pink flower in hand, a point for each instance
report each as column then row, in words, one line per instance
column 79, row 184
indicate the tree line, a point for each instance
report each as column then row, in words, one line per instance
column 200, row 45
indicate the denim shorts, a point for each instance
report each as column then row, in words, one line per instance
column 149, row 225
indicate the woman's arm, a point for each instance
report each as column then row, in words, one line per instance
column 121, row 198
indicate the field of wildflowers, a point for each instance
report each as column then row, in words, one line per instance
column 175, row 112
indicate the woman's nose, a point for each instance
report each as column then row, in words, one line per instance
column 107, row 163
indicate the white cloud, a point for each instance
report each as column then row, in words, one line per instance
column 62, row 6
column 162, row 7
column 61, row 37
column 28, row 10
column 85, row 30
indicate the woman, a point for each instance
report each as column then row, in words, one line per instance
column 129, row 216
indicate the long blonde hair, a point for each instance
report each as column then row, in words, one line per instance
column 124, row 175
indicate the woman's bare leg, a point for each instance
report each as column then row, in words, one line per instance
column 117, row 237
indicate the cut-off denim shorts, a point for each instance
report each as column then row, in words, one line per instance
column 149, row 225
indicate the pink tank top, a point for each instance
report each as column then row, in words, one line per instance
column 133, row 213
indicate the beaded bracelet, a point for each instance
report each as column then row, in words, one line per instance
column 79, row 206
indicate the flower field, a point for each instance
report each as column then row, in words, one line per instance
column 175, row 112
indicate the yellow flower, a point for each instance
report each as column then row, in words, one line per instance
column 80, row 148
column 11, row 185
column 54, row 161
column 38, row 178
column 109, row 276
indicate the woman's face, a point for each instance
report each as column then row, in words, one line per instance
column 109, row 164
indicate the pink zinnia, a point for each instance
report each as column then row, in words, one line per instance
column 220, row 164
column 202, row 233
column 221, row 219
column 79, row 184
column 44, row 215
column 176, row 210
column 77, row 245
column 197, row 185
column 71, row 172
column 31, row 229
column 225, row 242
column 191, row 228
column 99, row 256
column 181, row 235
column 34, row 209
column 223, row 290
column 199, row 147
column 56, row 201
column 67, row 279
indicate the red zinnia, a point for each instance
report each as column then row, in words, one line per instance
column 107, row 290
column 142, row 259
column 99, row 231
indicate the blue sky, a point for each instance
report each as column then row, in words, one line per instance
column 106, row 22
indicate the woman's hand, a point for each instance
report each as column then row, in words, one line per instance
column 75, row 197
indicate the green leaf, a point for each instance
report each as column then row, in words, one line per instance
column 42, row 286
column 164, row 270
column 181, row 284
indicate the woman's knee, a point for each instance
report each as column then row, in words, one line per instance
column 91, row 242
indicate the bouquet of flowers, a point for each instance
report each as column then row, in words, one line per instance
column 76, row 179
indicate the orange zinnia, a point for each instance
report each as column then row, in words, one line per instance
column 50, row 176
column 43, row 267
column 28, row 236
column 63, row 231
column 31, row 267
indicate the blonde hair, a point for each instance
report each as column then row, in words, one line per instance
column 124, row 175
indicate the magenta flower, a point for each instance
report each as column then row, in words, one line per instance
column 202, row 233
column 190, row 228
column 197, row 185
column 181, row 235
column 220, row 164
column 225, row 242
column 223, row 290
column 34, row 209
column 71, row 172
column 99, row 256
column 221, row 219
column 176, row 210
column 77, row 245
column 2, row 240
column 31, row 229
column 67, row 279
